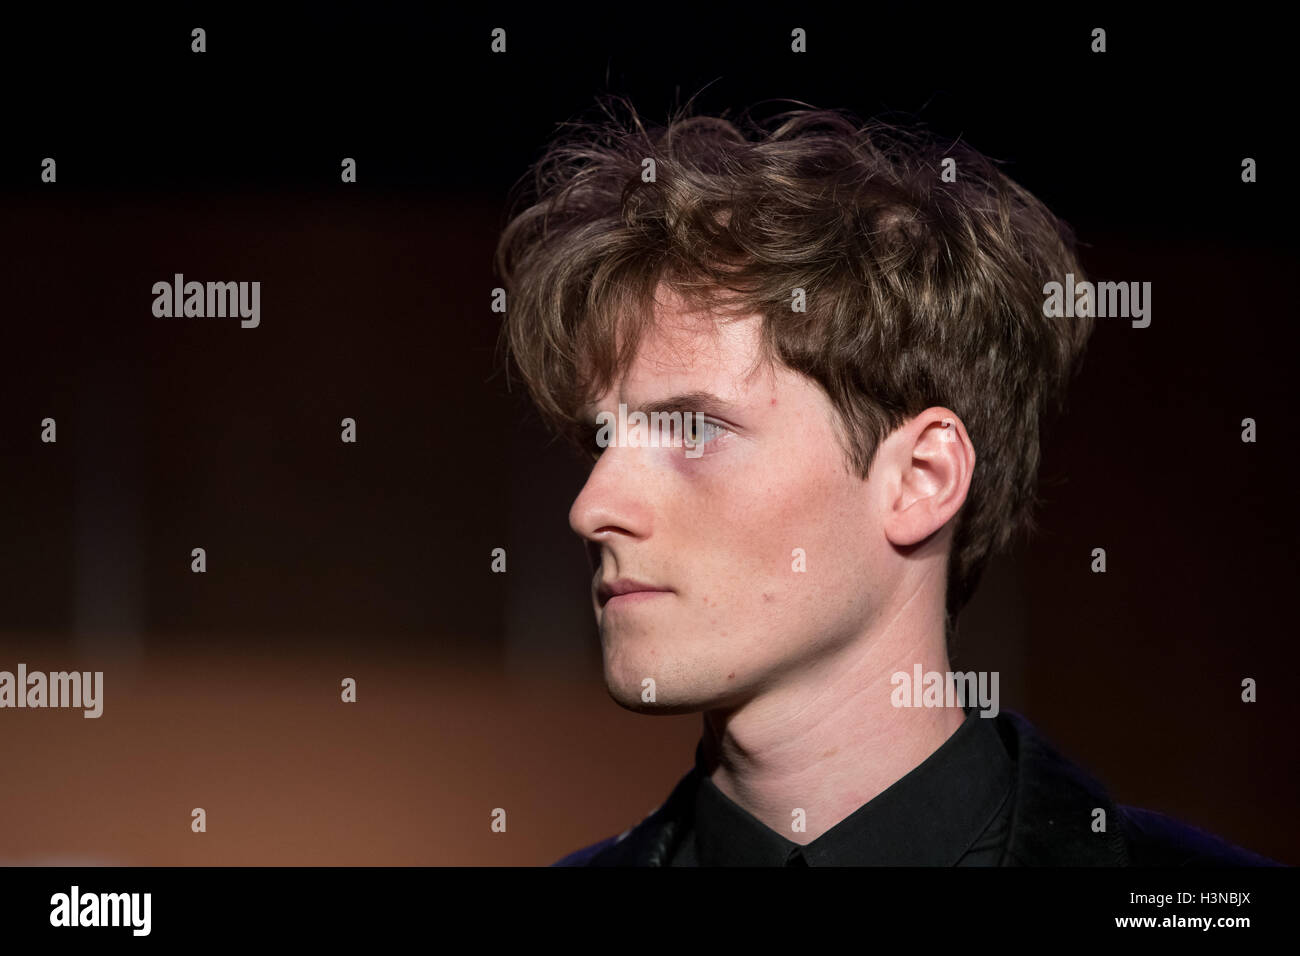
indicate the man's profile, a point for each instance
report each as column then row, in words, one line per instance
column 855, row 314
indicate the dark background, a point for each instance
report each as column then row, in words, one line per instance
column 481, row 690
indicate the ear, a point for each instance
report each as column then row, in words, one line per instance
column 932, row 462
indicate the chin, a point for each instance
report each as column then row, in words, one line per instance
column 623, row 680
column 629, row 698
column 625, row 689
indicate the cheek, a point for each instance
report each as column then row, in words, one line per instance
column 742, row 529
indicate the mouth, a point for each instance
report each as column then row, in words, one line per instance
column 626, row 590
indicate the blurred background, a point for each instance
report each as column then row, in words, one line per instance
column 372, row 560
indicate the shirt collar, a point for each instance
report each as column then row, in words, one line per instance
column 929, row 817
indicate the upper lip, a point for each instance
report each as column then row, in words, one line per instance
column 609, row 589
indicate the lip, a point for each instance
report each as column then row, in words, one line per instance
column 632, row 597
column 626, row 590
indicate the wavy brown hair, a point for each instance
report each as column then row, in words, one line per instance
column 920, row 292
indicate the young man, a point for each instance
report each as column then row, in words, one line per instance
column 850, row 319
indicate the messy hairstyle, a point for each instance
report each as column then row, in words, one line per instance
column 922, row 266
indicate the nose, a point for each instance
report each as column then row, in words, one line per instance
column 614, row 503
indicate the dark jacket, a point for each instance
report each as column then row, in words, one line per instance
column 1051, row 823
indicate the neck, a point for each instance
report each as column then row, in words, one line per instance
column 828, row 738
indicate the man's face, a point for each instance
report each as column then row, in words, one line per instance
column 724, row 531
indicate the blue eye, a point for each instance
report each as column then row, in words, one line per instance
column 701, row 432
column 695, row 433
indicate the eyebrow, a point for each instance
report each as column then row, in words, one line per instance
column 697, row 401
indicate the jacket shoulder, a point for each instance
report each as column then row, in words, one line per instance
column 1056, row 800
column 1155, row 839
column 651, row 842
column 584, row 856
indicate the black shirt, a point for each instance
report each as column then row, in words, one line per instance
column 954, row 809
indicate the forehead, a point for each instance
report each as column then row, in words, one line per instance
column 688, row 348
